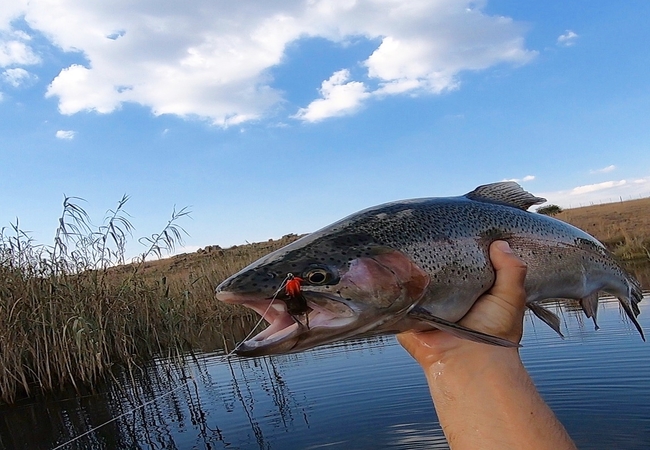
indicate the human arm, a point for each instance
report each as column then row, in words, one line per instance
column 483, row 395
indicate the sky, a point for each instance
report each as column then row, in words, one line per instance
column 265, row 117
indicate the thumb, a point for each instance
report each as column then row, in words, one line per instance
column 510, row 275
column 501, row 310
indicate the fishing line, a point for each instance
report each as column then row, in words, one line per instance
column 191, row 378
column 131, row 411
column 259, row 322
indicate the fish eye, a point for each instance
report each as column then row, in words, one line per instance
column 317, row 276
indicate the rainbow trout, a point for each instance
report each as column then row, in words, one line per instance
column 420, row 264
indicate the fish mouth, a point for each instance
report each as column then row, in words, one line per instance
column 325, row 317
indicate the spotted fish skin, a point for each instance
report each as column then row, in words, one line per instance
column 447, row 240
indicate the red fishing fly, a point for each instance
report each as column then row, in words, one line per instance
column 293, row 286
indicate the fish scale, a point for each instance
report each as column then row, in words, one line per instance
column 436, row 250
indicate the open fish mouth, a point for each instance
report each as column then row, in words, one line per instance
column 285, row 331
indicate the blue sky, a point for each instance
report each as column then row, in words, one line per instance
column 267, row 118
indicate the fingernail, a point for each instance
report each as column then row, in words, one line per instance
column 503, row 246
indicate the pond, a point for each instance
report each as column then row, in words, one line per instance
column 356, row 394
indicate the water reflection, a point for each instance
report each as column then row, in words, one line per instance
column 354, row 394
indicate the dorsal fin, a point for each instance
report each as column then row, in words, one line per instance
column 507, row 192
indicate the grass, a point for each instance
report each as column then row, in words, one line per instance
column 624, row 227
column 71, row 310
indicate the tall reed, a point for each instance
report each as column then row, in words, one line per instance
column 70, row 311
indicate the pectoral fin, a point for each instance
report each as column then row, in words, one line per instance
column 459, row 330
column 547, row 316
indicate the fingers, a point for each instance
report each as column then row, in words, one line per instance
column 409, row 340
column 499, row 312
column 510, row 274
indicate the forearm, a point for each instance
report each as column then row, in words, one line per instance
column 485, row 399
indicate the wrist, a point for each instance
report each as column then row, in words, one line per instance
column 462, row 366
column 484, row 398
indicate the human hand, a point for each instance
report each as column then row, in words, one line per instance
column 483, row 396
column 499, row 312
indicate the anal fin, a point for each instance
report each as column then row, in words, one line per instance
column 459, row 330
column 589, row 305
column 549, row 318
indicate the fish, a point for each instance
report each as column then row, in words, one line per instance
column 421, row 264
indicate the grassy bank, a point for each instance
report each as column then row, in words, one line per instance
column 69, row 311
column 624, row 227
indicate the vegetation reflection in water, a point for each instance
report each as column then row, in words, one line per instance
column 357, row 394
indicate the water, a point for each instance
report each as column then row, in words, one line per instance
column 359, row 394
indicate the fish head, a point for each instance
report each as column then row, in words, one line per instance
column 348, row 286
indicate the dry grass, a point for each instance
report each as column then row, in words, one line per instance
column 623, row 227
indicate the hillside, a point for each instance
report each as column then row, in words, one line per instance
column 623, row 227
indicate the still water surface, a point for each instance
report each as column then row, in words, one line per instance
column 356, row 395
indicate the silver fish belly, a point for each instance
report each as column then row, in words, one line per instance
column 422, row 264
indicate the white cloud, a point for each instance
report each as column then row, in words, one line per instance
column 340, row 97
column 15, row 51
column 211, row 58
column 607, row 169
column 17, row 77
column 606, row 192
column 596, row 187
column 78, row 91
column 66, row 134
column 519, row 180
column 10, row 11
column 567, row 39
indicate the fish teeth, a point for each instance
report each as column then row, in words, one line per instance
column 279, row 307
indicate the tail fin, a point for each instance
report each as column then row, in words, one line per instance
column 630, row 302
